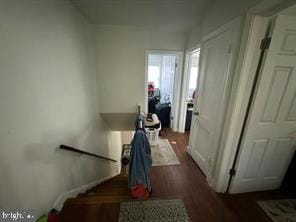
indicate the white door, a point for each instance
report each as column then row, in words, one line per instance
column 168, row 69
column 269, row 141
column 210, row 99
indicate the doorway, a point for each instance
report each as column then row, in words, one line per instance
column 267, row 142
column 163, row 85
column 215, row 77
column 189, row 89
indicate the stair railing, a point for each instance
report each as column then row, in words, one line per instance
column 73, row 149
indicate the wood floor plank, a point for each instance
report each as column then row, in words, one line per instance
column 185, row 181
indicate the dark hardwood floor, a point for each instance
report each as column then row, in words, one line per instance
column 185, row 181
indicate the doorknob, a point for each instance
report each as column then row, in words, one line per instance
column 196, row 113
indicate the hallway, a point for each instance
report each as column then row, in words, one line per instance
column 188, row 182
column 183, row 181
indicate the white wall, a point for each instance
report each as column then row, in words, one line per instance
column 127, row 136
column 221, row 12
column 193, row 37
column 48, row 97
column 120, row 61
column 120, row 68
column 218, row 13
column 166, row 40
column 290, row 11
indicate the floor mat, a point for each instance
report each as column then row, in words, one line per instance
column 163, row 154
column 283, row 210
column 156, row 210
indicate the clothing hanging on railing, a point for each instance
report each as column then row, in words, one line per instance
column 140, row 162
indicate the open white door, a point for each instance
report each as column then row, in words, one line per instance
column 269, row 140
column 164, row 69
column 211, row 98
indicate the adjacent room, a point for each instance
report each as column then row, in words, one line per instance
column 148, row 110
column 161, row 81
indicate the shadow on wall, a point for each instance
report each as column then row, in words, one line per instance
column 49, row 172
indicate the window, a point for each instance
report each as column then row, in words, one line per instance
column 154, row 75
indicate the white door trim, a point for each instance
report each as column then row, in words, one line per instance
column 255, row 30
column 177, row 83
column 185, row 84
column 235, row 27
column 267, row 169
column 247, row 58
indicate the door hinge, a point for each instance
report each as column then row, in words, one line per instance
column 232, row 172
column 176, row 65
column 265, row 43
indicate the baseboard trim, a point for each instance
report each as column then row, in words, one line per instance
column 58, row 204
column 188, row 150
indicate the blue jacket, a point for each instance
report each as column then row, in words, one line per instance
column 140, row 162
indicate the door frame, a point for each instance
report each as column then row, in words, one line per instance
column 177, row 83
column 185, row 85
column 255, row 26
column 235, row 25
column 267, row 24
column 254, row 31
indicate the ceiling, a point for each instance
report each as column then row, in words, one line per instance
column 161, row 15
column 291, row 11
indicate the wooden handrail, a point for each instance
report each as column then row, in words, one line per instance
column 73, row 149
